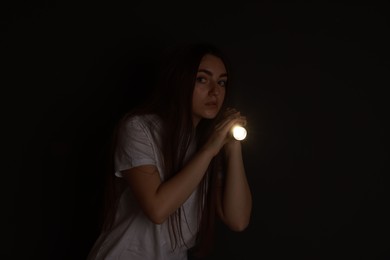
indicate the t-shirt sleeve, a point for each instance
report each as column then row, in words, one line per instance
column 134, row 147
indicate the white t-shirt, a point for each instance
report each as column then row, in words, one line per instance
column 133, row 235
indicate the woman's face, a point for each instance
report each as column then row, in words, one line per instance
column 209, row 90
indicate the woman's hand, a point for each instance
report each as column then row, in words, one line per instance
column 222, row 134
column 232, row 143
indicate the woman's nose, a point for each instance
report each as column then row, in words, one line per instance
column 214, row 88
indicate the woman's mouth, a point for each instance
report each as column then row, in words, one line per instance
column 211, row 104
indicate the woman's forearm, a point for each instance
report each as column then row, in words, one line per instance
column 174, row 192
column 236, row 197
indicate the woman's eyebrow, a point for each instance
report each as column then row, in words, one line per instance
column 210, row 73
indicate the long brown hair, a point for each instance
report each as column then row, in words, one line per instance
column 172, row 102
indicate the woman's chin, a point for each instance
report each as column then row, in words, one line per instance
column 210, row 115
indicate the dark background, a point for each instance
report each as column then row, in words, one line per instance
column 312, row 79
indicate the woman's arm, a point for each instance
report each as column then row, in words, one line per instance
column 235, row 199
column 160, row 199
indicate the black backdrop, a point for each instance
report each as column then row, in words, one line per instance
column 311, row 78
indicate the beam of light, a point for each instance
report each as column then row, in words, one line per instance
column 239, row 132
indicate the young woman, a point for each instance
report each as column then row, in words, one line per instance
column 177, row 166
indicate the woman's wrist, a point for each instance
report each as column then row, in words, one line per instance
column 232, row 147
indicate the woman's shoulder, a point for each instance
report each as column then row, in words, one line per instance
column 144, row 120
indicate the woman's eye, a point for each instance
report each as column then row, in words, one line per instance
column 222, row 83
column 201, row 79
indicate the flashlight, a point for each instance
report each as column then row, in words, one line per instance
column 239, row 132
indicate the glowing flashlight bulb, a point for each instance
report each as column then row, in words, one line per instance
column 239, row 132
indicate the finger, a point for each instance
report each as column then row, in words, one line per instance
column 229, row 124
column 229, row 111
column 232, row 119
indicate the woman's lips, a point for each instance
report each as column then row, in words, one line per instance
column 211, row 104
